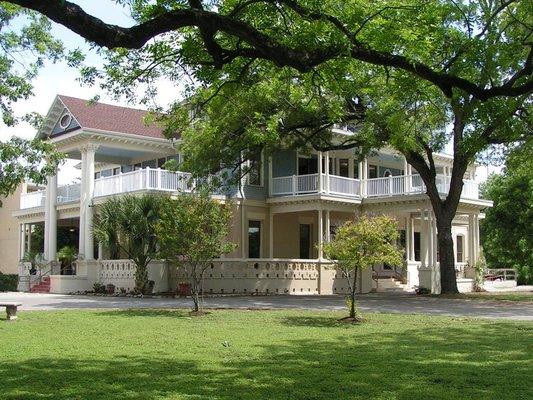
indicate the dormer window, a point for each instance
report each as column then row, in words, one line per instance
column 65, row 121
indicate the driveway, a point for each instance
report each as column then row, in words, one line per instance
column 375, row 302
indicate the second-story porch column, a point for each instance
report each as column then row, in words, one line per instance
column 319, row 183
column 270, row 183
column 50, row 219
column 326, row 165
column 86, row 243
column 364, row 177
column 328, row 227
column 407, row 176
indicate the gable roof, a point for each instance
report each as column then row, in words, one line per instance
column 101, row 116
column 110, row 118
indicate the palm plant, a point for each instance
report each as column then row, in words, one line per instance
column 67, row 255
column 127, row 224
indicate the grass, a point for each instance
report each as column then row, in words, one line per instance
column 514, row 296
column 157, row 354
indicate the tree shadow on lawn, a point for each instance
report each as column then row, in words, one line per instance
column 490, row 361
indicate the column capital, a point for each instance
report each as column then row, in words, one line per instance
column 89, row 147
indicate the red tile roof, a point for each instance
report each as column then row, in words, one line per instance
column 111, row 118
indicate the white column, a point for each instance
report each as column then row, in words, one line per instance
column 431, row 243
column 320, row 234
column 412, row 249
column 470, row 238
column 408, row 238
column 100, row 250
column 476, row 237
column 50, row 219
column 319, row 172
column 328, row 227
column 365, row 177
column 423, row 238
column 86, row 209
column 406, row 176
column 271, row 234
column 326, row 162
column 22, row 241
column 270, row 183
column 81, row 228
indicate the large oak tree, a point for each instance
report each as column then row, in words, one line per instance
column 463, row 65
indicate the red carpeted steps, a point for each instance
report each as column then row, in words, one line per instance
column 43, row 287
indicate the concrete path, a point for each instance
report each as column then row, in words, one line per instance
column 381, row 302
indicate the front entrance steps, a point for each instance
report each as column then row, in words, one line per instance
column 389, row 285
column 43, row 287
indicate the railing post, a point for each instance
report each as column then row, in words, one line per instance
column 390, row 186
column 294, row 183
column 159, row 178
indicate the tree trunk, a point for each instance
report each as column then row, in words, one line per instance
column 352, row 294
column 448, row 280
column 141, row 278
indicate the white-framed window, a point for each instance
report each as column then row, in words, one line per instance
column 254, row 238
column 255, row 175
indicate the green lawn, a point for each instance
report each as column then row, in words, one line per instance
column 511, row 296
column 261, row 355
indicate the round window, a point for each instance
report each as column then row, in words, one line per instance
column 65, row 120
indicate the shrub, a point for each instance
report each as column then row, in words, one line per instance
column 99, row 288
column 8, row 282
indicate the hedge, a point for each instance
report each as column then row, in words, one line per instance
column 8, row 282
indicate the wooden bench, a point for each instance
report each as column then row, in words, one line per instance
column 11, row 309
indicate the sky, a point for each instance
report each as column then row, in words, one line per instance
column 58, row 78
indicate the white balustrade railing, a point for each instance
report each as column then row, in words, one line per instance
column 375, row 187
column 32, row 199
column 143, row 179
column 68, row 193
column 342, row 185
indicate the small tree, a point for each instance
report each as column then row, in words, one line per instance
column 362, row 243
column 128, row 224
column 191, row 232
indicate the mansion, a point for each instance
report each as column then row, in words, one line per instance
column 287, row 206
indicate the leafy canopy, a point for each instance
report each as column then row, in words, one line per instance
column 365, row 242
column 26, row 160
column 507, row 230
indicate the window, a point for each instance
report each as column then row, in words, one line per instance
column 356, row 170
column 137, row 166
column 307, row 165
column 254, row 239
column 255, row 175
column 65, row 121
column 126, row 168
column 106, row 172
column 372, row 171
column 460, row 249
column 305, row 241
column 116, row 170
column 387, row 173
column 161, row 162
column 97, row 175
column 343, row 167
column 149, row 164
column 417, row 246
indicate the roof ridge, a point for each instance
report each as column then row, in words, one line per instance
column 103, row 104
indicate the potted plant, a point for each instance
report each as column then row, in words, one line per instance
column 67, row 255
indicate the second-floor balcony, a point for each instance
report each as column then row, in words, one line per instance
column 150, row 179
column 357, row 188
column 134, row 181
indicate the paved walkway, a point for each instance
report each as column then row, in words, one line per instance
column 381, row 302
